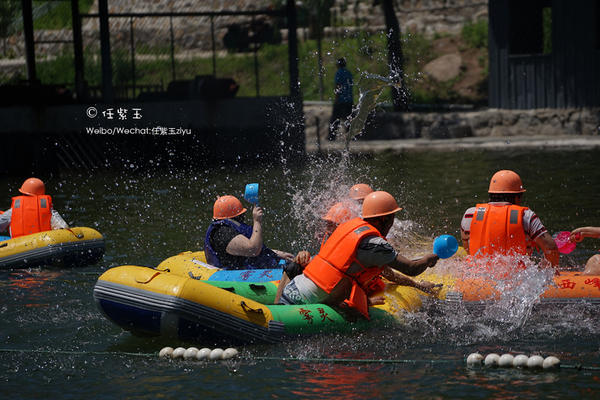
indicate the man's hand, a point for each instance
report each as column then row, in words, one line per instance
column 257, row 214
column 429, row 287
column 376, row 300
column 302, row 258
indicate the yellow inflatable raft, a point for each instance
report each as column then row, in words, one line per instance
column 60, row 247
column 186, row 302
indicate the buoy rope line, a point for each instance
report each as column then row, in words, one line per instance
column 578, row 367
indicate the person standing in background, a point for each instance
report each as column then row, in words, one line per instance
column 342, row 104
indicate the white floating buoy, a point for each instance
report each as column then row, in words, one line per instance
column 190, row 353
column 203, row 353
column 491, row 360
column 216, row 354
column 229, row 353
column 520, row 361
column 178, row 352
column 474, row 359
column 165, row 352
column 506, row 360
column 535, row 362
column 551, row 362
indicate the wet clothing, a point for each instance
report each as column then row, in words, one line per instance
column 371, row 253
column 218, row 236
column 31, row 214
column 501, row 226
column 336, row 262
column 343, row 85
column 342, row 106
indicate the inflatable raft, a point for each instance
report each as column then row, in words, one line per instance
column 60, row 247
column 567, row 287
column 194, row 265
column 155, row 302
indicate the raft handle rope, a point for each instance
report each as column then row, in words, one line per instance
column 247, row 308
column 577, row 367
column 77, row 235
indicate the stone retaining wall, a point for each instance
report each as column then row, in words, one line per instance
column 481, row 123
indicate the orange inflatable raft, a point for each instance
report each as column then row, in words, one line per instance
column 568, row 287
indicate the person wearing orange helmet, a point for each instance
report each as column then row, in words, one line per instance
column 348, row 269
column 232, row 244
column 32, row 212
column 503, row 226
column 592, row 266
column 359, row 191
column 337, row 214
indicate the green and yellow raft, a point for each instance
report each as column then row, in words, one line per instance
column 180, row 298
column 60, row 247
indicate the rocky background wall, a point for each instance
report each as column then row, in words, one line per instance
column 193, row 33
column 461, row 124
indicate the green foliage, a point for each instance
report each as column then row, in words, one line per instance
column 365, row 52
column 547, row 30
column 58, row 14
column 476, row 34
column 9, row 12
column 60, row 70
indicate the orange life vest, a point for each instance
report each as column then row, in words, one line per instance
column 30, row 214
column 498, row 229
column 337, row 260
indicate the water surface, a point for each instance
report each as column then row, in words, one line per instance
column 149, row 215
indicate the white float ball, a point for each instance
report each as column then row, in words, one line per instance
column 190, row 353
column 165, row 352
column 178, row 352
column 520, row 361
column 474, row 359
column 551, row 362
column 203, row 353
column 229, row 353
column 216, row 354
column 535, row 362
column 491, row 360
column 506, row 360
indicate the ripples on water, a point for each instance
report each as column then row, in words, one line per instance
column 148, row 216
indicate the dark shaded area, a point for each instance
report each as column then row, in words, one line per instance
column 543, row 54
column 193, row 122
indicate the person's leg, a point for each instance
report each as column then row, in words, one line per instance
column 346, row 116
column 282, row 284
column 334, row 122
column 592, row 267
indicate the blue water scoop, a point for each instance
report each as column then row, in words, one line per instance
column 251, row 193
column 445, row 246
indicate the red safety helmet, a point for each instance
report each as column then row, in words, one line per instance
column 506, row 181
column 338, row 214
column 227, row 207
column 360, row 191
column 33, row 187
column 378, row 204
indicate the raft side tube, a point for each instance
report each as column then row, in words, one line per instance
column 60, row 247
column 184, row 300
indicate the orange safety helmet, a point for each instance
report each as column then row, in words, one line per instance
column 33, row 187
column 360, row 191
column 378, row 204
column 227, row 207
column 338, row 214
column 506, row 181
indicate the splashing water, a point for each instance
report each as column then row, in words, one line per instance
column 370, row 86
column 328, row 180
column 518, row 281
